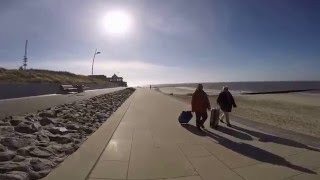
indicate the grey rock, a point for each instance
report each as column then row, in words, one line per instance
column 6, row 156
column 87, row 130
column 60, row 139
column 24, row 151
column 4, row 123
column 58, row 130
column 38, row 175
column 39, row 164
column 42, row 137
column 17, row 120
column 26, row 128
column 30, row 117
column 6, row 167
column 48, row 113
column 6, row 131
column 18, row 158
column 42, row 144
column 72, row 126
column 15, row 175
column 40, row 152
column 2, row 148
column 46, row 121
column 69, row 117
column 16, row 142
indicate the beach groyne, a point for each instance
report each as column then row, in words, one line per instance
column 279, row 92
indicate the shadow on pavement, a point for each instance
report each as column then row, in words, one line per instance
column 193, row 129
column 274, row 139
column 249, row 150
column 235, row 133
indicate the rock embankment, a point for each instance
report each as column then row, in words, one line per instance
column 31, row 145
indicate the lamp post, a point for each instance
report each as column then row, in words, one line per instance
column 95, row 53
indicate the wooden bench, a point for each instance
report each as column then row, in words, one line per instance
column 71, row 88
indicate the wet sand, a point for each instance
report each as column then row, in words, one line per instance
column 298, row 112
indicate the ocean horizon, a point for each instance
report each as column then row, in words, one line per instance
column 256, row 86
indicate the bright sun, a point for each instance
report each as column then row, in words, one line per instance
column 117, row 22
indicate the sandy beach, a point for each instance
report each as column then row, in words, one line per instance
column 299, row 112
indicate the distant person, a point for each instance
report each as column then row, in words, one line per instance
column 150, row 86
column 200, row 104
column 226, row 101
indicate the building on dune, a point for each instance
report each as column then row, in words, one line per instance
column 114, row 79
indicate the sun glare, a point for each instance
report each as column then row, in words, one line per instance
column 117, row 22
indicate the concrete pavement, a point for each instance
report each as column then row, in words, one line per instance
column 149, row 143
column 24, row 105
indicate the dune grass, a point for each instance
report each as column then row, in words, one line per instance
column 45, row 76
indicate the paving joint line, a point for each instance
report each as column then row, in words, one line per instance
column 224, row 163
column 134, row 95
column 189, row 162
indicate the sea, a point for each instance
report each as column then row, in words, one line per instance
column 312, row 87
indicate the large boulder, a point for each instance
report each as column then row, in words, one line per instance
column 15, row 175
column 16, row 142
column 44, row 121
column 18, row 158
column 17, row 120
column 40, row 152
column 72, row 126
column 39, row 164
column 6, row 167
column 58, row 130
column 6, row 131
column 61, row 139
column 48, row 113
column 27, row 128
column 6, row 156
column 3, row 148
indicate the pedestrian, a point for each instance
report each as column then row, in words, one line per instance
column 200, row 104
column 150, row 86
column 226, row 101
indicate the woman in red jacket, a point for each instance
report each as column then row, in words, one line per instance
column 200, row 104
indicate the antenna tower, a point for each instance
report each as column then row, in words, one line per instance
column 25, row 59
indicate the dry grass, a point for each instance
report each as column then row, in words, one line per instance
column 44, row 76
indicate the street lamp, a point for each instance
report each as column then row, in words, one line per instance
column 95, row 53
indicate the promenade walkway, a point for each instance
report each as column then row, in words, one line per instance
column 149, row 143
column 19, row 106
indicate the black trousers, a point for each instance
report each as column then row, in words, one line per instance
column 201, row 117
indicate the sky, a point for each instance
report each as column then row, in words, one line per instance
column 169, row 41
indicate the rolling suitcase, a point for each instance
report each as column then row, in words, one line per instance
column 185, row 117
column 214, row 118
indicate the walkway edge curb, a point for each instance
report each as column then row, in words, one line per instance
column 78, row 165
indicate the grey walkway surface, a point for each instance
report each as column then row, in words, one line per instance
column 149, row 143
column 31, row 104
column 143, row 140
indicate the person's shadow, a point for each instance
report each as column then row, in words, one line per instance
column 234, row 133
column 250, row 151
column 274, row 139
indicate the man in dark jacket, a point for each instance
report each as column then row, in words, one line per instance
column 226, row 101
column 200, row 103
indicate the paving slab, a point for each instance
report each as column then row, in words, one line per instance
column 211, row 168
column 305, row 176
column 110, row 169
column 117, row 150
